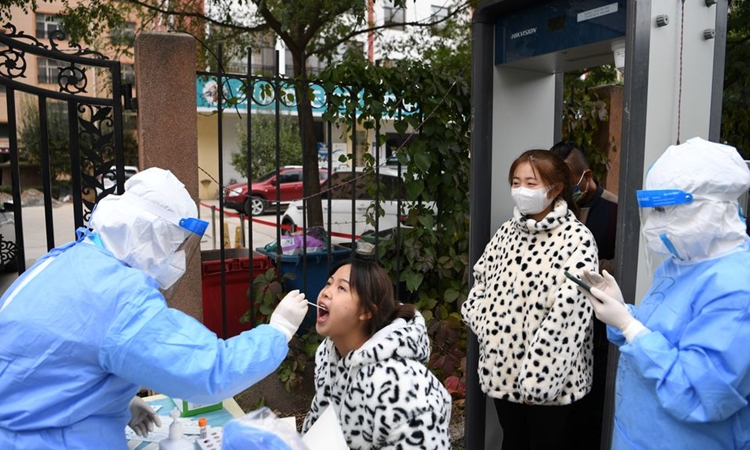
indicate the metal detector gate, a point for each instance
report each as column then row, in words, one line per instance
column 520, row 50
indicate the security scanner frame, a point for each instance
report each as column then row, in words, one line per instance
column 673, row 85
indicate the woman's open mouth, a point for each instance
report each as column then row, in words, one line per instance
column 322, row 313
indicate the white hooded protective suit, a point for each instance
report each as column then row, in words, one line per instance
column 684, row 383
column 86, row 327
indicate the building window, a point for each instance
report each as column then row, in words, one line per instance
column 439, row 13
column 48, row 70
column 264, row 61
column 46, row 24
column 354, row 50
column 393, row 15
column 289, row 64
column 123, row 34
column 127, row 73
column 315, row 65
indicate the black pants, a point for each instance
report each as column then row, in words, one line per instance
column 532, row 427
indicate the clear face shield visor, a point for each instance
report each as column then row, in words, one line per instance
column 186, row 251
column 657, row 210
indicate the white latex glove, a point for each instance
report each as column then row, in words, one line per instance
column 288, row 316
column 609, row 305
column 604, row 282
column 142, row 417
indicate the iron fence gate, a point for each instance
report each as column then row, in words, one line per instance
column 253, row 95
column 66, row 88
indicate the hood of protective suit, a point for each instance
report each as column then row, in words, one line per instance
column 138, row 226
column 710, row 225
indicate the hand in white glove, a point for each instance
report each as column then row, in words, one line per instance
column 609, row 305
column 142, row 417
column 605, row 283
column 288, row 316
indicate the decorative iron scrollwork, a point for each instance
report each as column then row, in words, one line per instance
column 12, row 63
column 72, row 79
column 96, row 137
column 16, row 35
column 7, row 252
column 57, row 37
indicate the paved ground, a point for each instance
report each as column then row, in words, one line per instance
column 35, row 235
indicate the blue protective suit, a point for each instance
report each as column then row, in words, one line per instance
column 87, row 332
column 686, row 383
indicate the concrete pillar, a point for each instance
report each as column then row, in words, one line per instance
column 168, row 129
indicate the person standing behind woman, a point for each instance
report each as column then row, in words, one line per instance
column 534, row 328
column 370, row 368
column 599, row 214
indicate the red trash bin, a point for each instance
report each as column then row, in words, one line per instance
column 237, row 280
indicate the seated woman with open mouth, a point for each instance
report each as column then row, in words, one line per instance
column 371, row 370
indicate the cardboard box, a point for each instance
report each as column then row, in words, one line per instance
column 188, row 409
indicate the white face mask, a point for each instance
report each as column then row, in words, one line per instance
column 531, row 201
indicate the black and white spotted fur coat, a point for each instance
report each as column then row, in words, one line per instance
column 382, row 393
column 532, row 323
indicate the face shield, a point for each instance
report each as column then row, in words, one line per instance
column 149, row 237
column 659, row 210
column 175, row 262
column 185, row 252
column 687, row 227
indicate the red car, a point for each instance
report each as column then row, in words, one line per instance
column 263, row 191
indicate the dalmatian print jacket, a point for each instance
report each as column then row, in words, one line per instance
column 533, row 325
column 382, row 393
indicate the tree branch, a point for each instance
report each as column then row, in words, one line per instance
column 345, row 38
column 731, row 44
column 203, row 17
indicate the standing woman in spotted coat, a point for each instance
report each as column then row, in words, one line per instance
column 533, row 325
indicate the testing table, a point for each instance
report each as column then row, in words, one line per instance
column 230, row 409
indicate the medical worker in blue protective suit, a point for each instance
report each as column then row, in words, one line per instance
column 683, row 380
column 88, row 325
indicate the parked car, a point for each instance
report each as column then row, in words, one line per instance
column 263, row 191
column 342, row 190
column 7, row 239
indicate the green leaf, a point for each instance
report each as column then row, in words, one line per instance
column 427, row 221
column 451, row 295
column 413, row 281
column 414, row 189
column 423, row 161
column 401, row 126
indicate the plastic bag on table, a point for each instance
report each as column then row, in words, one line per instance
column 260, row 430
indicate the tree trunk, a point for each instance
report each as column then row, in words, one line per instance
column 311, row 180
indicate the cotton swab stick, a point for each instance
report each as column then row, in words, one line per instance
column 318, row 306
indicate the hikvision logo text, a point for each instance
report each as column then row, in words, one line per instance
column 523, row 33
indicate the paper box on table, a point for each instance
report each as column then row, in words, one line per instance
column 188, row 409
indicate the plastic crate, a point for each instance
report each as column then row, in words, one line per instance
column 237, row 265
column 316, row 265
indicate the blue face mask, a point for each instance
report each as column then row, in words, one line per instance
column 577, row 193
